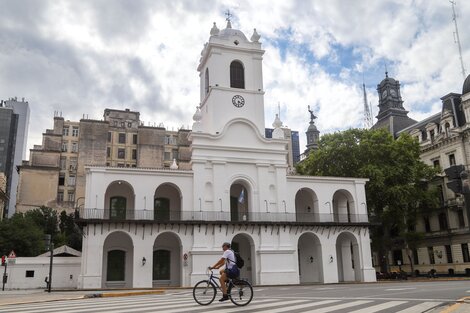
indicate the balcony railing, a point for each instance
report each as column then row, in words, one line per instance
column 177, row 216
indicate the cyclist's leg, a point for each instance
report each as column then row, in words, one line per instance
column 223, row 286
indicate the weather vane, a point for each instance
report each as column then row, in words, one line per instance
column 229, row 15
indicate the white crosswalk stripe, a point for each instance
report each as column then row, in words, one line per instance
column 339, row 306
column 309, row 304
column 182, row 302
column 260, row 304
column 421, row 307
column 379, row 307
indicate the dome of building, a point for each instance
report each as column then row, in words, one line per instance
column 312, row 127
column 230, row 32
column 387, row 79
column 466, row 85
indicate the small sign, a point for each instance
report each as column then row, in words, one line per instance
column 12, row 255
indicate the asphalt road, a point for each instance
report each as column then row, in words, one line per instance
column 406, row 297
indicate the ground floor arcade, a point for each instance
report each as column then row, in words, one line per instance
column 143, row 255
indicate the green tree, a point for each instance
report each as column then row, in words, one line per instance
column 24, row 233
column 71, row 233
column 397, row 189
column 46, row 218
column 21, row 234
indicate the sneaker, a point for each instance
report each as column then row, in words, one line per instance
column 224, row 298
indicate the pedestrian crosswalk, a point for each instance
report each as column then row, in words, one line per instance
column 182, row 301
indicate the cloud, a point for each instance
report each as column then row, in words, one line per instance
column 81, row 57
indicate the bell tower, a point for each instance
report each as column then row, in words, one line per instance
column 392, row 115
column 389, row 96
column 231, row 80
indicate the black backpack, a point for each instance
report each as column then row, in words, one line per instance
column 240, row 262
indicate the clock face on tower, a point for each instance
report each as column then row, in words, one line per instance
column 393, row 93
column 238, row 101
column 384, row 93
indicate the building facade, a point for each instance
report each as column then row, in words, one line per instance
column 54, row 176
column 443, row 138
column 3, row 193
column 163, row 226
column 14, row 121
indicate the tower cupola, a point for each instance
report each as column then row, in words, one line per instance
column 231, row 79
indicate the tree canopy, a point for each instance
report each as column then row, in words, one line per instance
column 397, row 189
column 24, row 232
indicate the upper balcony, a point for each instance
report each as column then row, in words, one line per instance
column 123, row 201
column 107, row 215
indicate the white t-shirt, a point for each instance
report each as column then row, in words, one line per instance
column 229, row 255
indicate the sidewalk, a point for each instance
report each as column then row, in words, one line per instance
column 462, row 306
column 39, row 295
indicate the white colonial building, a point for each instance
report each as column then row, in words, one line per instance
column 148, row 227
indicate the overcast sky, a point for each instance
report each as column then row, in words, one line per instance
column 80, row 57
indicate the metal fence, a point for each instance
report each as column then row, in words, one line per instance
column 176, row 216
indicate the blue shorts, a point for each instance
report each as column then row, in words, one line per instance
column 233, row 272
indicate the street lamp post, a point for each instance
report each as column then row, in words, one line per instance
column 50, row 247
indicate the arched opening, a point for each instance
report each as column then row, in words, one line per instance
column 117, row 208
column 310, row 259
column 206, row 81
column 306, row 206
column 243, row 244
column 237, row 75
column 119, row 201
column 167, row 203
column 343, row 207
column 347, row 254
column 118, row 254
column 166, row 264
column 239, row 199
column 447, row 129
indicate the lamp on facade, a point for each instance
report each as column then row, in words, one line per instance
column 144, row 261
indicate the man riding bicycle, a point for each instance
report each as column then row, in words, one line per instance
column 230, row 270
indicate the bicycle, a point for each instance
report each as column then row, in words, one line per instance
column 239, row 291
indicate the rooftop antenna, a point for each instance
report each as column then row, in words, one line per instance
column 456, row 36
column 367, row 113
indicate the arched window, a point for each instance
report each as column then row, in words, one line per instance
column 161, row 265
column 237, row 75
column 206, row 81
column 117, row 208
column 161, row 209
column 116, row 266
column 447, row 129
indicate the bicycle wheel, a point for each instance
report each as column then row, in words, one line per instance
column 241, row 292
column 204, row 292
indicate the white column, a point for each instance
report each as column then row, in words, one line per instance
column 329, row 259
column 368, row 272
column 143, row 248
column 92, row 262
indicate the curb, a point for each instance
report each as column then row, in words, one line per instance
column 89, row 296
column 456, row 305
column 123, row 294
column 41, row 301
